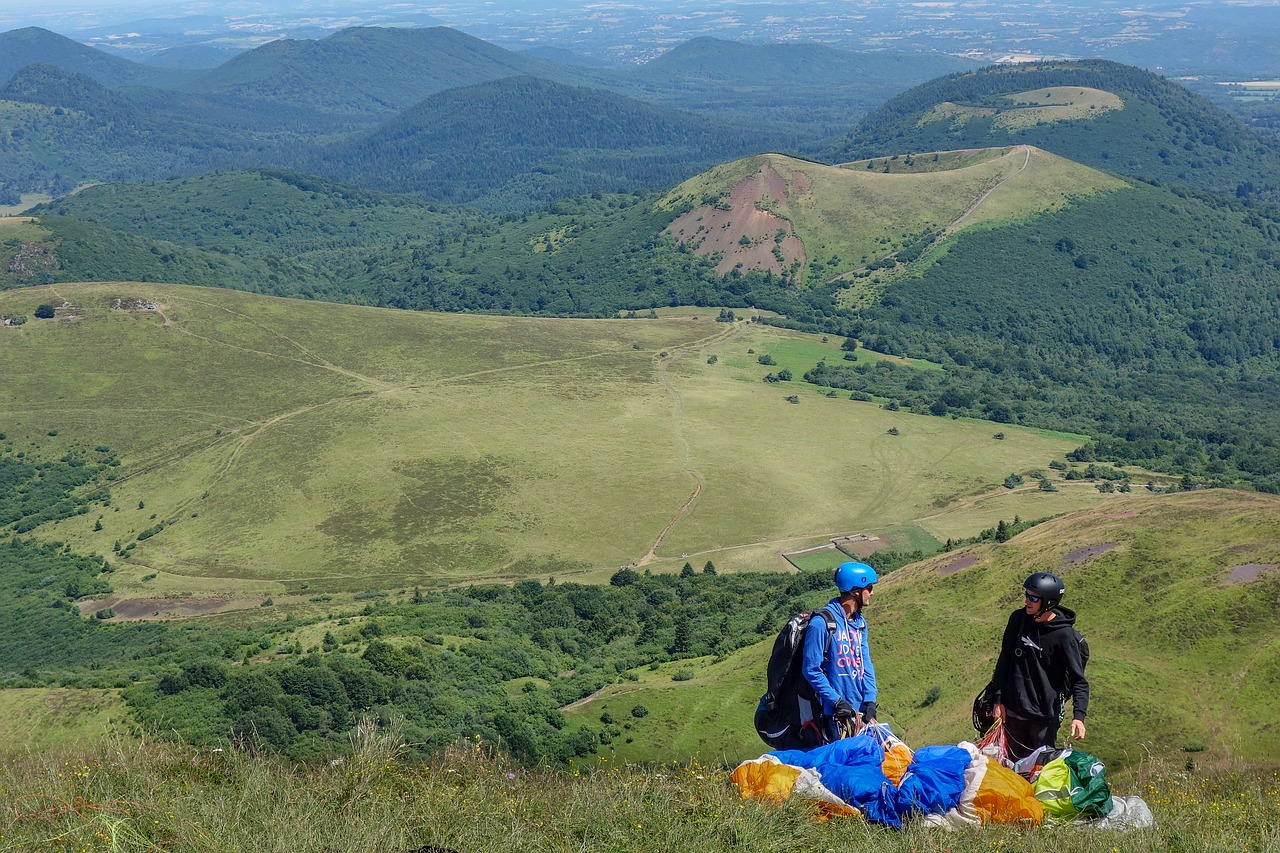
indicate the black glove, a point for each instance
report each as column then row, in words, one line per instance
column 868, row 710
column 842, row 710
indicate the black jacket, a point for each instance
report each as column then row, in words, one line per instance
column 1040, row 666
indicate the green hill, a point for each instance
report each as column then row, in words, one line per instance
column 370, row 71
column 522, row 141
column 1158, row 595
column 64, row 129
column 805, row 222
column 810, row 90
column 28, row 45
column 53, row 248
column 1148, row 127
column 263, row 211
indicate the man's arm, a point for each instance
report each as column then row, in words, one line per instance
column 1077, row 685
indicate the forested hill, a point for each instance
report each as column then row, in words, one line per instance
column 813, row 87
column 1158, row 130
column 520, row 141
column 369, row 70
column 20, row 48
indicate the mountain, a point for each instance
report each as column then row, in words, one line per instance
column 69, row 129
column 811, row 90
column 368, row 71
column 22, row 47
column 521, row 141
column 1112, row 117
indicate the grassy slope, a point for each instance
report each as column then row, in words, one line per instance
column 43, row 719
column 346, row 448
column 153, row 796
column 1178, row 657
column 858, row 213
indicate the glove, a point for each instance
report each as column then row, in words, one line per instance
column 868, row 710
column 842, row 710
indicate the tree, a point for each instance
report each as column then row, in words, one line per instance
column 684, row 637
column 45, row 312
column 686, row 571
column 766, row 360
column 264, row 726
column 709, row 568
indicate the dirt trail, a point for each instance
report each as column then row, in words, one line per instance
column 968, row 211
column 954, row 226
column 677, row 428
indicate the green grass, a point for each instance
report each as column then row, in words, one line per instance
column 825, row 560
column 124, row 795
column 43, row 719
column 282, row 448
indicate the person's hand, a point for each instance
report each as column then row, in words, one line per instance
column 869, row 713
column 997, row 711
column 1077, row 729
column 842, row 710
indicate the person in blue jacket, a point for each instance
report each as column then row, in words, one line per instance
column 837, row 657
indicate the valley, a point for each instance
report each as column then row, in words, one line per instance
column 394, row 405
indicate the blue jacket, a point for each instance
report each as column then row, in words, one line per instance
column 845, row 672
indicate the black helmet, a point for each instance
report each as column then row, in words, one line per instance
column 1049, row 587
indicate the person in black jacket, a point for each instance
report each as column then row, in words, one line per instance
column 1040, row 665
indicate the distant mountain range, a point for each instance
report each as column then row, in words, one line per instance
column 299, row 104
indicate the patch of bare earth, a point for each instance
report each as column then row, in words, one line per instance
column 743, row 229
column 1248, row 573
column 165, row 608
column 959, row 564
column 859, row 544
column 1088, row 552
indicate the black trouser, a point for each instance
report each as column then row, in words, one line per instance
column 1023, row 737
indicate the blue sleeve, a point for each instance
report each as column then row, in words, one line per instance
column 814, row 669
column 869, row 691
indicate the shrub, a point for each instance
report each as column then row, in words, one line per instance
column 683, row 674
column 639, row 711
column 45, row 312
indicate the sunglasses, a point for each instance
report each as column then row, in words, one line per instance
column 1034, row 599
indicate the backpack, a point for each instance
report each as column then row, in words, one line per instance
column 789, row 714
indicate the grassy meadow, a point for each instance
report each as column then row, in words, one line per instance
column 125, row 796
column 292, row 448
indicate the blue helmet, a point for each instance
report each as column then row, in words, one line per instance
column 851, row 576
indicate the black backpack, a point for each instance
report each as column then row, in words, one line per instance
column 789, row 715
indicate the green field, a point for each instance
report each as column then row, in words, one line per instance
column 294, row 448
